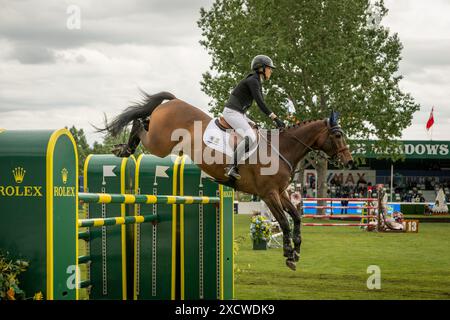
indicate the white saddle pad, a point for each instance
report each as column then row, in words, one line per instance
column 220, row 140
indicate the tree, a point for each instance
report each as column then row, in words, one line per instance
column 331, row 54
column 83, row 148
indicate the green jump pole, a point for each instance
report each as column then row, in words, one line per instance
column 115, row 221
column 84, row 284
column 84, row 259
column 85, row 235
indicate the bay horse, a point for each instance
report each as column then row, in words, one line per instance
column 294, row 143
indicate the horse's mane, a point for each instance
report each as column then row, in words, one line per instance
column 298, row 124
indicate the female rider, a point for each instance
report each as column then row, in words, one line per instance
column 241, row 98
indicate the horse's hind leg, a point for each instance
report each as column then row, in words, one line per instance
column 293, row 212
column 137, row 133
column 274, row 203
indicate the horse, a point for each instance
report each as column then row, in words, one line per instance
column 153, row 124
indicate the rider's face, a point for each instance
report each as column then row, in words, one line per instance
column 268, row 72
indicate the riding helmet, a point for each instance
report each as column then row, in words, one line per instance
column 261, row 61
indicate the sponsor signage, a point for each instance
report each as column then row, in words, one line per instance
column 410, row 149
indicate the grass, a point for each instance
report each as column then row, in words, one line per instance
column 334, row 262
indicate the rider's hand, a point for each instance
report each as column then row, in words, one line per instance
column 280, row 124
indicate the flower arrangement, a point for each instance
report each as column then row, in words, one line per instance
column 9, row 271
column 260, row 229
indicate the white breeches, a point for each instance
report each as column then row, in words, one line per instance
column 239, row 122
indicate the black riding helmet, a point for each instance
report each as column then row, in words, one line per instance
column 262, row 61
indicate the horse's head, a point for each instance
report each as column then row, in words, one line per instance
column 333, row 143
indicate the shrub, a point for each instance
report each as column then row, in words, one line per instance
column 9, row 271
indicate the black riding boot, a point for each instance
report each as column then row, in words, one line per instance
column 240, row 150
column 233, row 172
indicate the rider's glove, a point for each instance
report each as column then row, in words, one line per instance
column 280, row 124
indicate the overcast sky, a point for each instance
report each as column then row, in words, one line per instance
column 54, row 75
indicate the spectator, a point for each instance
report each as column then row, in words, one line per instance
column 361, row 183
column 408, row 197
column 312, row 181
column 427, row 210
column 344, row 203
column 333, row 182
column 369, row 189
column 347, row 187
column 420, row 197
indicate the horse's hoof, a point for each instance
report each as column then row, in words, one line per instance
column 121, row 150
column 291, row 264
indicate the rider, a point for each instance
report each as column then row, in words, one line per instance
column 240, row 100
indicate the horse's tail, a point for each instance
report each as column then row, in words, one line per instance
column 140, row 110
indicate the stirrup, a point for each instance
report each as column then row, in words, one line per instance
column 232, row 172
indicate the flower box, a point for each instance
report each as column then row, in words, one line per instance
column 259, row 245
column 260, row 232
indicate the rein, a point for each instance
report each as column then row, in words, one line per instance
column 318, row 154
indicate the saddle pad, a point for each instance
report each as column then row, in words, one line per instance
column 219, row 140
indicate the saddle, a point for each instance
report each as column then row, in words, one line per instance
column 223, row 125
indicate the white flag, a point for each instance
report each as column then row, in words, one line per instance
column 108, row 172
column 203, row 175
column 160, row 172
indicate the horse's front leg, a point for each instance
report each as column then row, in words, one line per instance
column 273, row 201
column 293, row 212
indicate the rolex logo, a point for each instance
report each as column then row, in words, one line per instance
column 19, row 174
column 64, row 174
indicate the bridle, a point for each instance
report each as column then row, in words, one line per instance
column 333, row 130
column 330, row 159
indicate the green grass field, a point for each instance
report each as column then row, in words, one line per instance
column 334, row 262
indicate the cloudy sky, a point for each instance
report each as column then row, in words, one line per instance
column 54, row 74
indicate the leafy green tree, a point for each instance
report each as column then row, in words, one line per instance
column 331, row 54
column 82, row 146
column 99, row 148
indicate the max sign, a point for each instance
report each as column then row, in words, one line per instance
column 342, row 177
